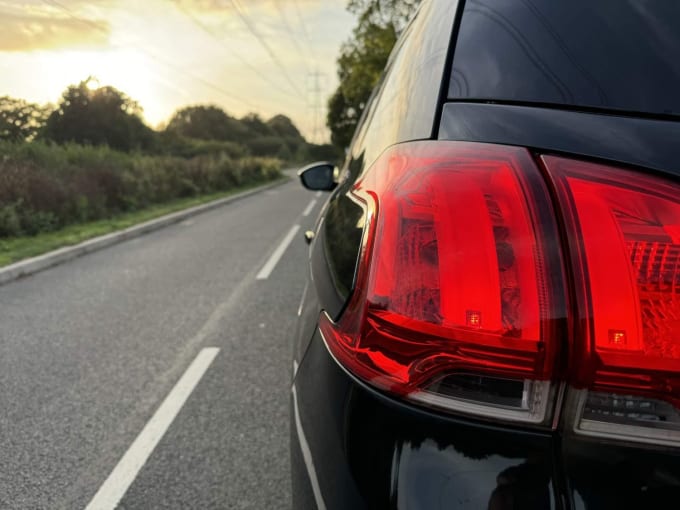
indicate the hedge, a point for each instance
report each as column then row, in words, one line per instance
column 45, row 187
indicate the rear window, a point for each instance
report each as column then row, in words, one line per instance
column 611, row 54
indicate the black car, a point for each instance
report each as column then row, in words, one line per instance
column 492, row 317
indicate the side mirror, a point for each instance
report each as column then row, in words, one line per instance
column 318, row 176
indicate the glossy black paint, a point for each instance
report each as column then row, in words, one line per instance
column 353, row 447
column 630, row 140
column 608, row 54
column 604, row 476
column 373, row 452
column 344, row 224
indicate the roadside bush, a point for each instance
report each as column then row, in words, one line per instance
column 10, row 222
column 46, row 187
column 172, row 144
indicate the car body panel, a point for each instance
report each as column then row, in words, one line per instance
column 354, row 447
column 649, row 143
column 370, row 451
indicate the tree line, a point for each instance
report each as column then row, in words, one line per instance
column 106, row 116
column 91, row 157
column 102, row 115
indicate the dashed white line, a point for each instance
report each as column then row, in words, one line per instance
column 318, row 194
column 278, row 253
column 309, row 208
column 112, row 491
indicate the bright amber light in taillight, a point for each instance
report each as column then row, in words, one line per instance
column 461, row 276
column 622, row 227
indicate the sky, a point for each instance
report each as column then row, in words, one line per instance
column 263, row 56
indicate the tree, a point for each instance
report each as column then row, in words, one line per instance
column 207, row 122
column 20, row 120
column 283, row 127
column 256, row 126
column 362, row 60
column 384, row 12
column 325, row 152
column 98, row 116
column 276, row 137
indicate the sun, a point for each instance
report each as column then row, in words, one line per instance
column 132, row 72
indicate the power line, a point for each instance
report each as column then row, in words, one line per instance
column 290, row 31
column 305, row 33
column 196, row 21
column 316, row 89
column 153, row 56
column 240, row 11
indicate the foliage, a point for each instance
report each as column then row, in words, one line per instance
column 170, row 143
column 384, row 12
column 45, row 187
column 93, row 157
column 98, row 116
column 282, row 126
column 325, row 152
column 20, row 120
column 360, row 66
column 206, row 122
column 362, row 60
column 13, row 249
column 277, row 137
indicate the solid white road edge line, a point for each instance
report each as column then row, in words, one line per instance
column 307, row 455
column 309, row 208
column 112, row 491
column 278, row 253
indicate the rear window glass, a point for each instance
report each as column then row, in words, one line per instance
column 611, row 54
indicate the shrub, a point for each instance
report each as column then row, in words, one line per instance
column 45, row 187
column 10, row 222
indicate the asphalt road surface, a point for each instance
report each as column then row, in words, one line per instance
column 157, row 372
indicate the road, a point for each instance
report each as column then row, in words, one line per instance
column 90, row 351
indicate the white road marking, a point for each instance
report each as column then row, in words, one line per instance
column 112, row 491
column 309, row 207
column 307, row 455
column 278, row 253
column 318, row 194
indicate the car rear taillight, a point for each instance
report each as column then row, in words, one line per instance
column 459, row 290
column 623, row 229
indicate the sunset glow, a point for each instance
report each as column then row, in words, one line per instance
column 254, row 55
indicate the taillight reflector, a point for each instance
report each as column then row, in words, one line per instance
column 623, row 229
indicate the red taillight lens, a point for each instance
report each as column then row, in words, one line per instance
column 623, row 229
column 460, row 284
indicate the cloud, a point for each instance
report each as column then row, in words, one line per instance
column 33, row 29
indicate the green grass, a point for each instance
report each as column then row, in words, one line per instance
column 19, row 248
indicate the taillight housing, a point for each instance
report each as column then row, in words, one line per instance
column 623, row 232
column 461, row 291
column 459, row 299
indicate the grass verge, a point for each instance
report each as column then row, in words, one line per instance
column 14, row 249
